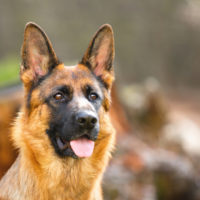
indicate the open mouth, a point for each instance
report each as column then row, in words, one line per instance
column 81, row 147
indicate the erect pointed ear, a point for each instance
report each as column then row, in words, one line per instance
column 100, row 54
column 38, row 57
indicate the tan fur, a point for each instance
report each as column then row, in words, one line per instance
column 39, row 173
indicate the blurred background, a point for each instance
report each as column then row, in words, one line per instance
column 156, row 96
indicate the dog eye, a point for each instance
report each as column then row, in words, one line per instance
column 93, row 96
column 58, row 96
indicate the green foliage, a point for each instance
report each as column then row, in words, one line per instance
column 9, row 71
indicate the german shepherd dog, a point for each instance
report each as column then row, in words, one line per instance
column 63, row 131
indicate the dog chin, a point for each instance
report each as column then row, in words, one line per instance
column 68, row 153
column 64, row 149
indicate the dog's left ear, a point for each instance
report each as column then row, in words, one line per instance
column 38, row 56
column 100, row 54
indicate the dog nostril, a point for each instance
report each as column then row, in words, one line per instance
column 81, row 120
column 93, row 121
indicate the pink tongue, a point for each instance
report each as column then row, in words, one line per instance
column 82, row 147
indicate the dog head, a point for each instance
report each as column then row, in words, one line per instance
column 63, row 103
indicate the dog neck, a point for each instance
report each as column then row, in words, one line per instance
column 50, row 177
column 60, row 178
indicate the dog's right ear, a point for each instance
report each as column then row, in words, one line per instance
column 38, row 56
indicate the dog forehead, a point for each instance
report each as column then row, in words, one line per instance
column 78, row 73
column 76, row 76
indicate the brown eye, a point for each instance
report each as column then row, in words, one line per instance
column 93, row 96
column 58, row 96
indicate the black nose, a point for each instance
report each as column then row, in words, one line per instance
column 86, row 120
